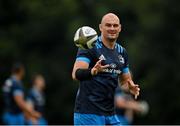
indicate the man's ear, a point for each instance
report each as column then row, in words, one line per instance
column 120, row 28
column 100, row 27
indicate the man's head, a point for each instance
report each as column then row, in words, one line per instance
column 110, row 27
column 38, row 81
column 18, row 70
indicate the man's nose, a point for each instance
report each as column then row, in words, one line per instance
column 112, row 27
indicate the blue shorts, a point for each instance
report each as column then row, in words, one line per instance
column 93, row 119
column 123, row 120
column 40, row 121
column 13, row 119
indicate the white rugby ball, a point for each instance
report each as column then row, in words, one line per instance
column 85, row 37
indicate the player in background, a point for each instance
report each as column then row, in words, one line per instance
column 36, row 100
column 13, row 94
column 127, row 107
column 98, row 70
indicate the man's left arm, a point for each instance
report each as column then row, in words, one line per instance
column 126, row 78
column 127, row 82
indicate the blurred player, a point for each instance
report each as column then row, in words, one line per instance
column 36, row 100
column 126, row 106
column 13, row 93
column 98, row 70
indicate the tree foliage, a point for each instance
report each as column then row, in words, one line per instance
column 40, row 33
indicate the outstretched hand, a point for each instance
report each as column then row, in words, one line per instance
column 133, row 88
column 98, row 67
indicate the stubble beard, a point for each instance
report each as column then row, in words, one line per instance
column 112, row 39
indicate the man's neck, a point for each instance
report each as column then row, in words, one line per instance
column 107, row 43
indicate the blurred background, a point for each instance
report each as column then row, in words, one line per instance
column 39, row 33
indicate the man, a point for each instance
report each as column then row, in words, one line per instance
column 98, row 70
column 126, row 106
column 13, row 93
column 36, row 100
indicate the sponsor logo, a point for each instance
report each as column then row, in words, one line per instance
column 121, row 59
column 113, row 71
column 113, row 65
column 102, row 57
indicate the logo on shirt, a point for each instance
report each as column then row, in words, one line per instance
column 112, row 68
column 102, row 57
column 113, row 65
column 7, row 86
column 121, row 59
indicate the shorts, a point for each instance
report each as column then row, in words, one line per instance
column 13, row 119
column 40, row 121
column 93, row 119
column 123, row 120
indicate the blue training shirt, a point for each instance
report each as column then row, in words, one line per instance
column 11, row 88
column 96, row 95
column 36, row 98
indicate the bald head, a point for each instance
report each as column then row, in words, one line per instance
column 110, row 27
column 110, row 16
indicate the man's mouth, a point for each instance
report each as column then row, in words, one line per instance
column 112, row 32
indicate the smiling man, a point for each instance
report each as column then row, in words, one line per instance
column 99, row 70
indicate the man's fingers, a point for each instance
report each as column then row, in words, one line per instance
column 105, row 66
column 137, row 87
column 99, row 61
column 136, row 96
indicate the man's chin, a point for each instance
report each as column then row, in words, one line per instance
column 112, row 39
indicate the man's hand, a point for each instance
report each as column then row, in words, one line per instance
column 33, row 116
column 36, row 114
column 133, row 88
column 98, row 67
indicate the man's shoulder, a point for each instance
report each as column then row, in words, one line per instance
column 91, row 51
column 119, row 48
column 98, row 44
column 8, row 82
column 33, row 92
column 11, row 82
column 7, row 85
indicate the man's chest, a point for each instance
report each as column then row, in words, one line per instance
column 111, row 57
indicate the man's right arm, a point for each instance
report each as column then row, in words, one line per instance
column 79, row 65
column 81, row 71
column 123, row 103
column 19, row 99
column 29, row 117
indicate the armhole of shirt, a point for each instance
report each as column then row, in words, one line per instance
column 84, row 59
column 18, row 93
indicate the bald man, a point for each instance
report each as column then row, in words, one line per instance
column 99, row 70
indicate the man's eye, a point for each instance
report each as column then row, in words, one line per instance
column 108, row 25
column 115, row 25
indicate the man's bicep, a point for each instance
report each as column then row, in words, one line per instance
column 19, row 99
column 124, row 77
column 79, row 64
column 83, row 59
column 18, row 92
